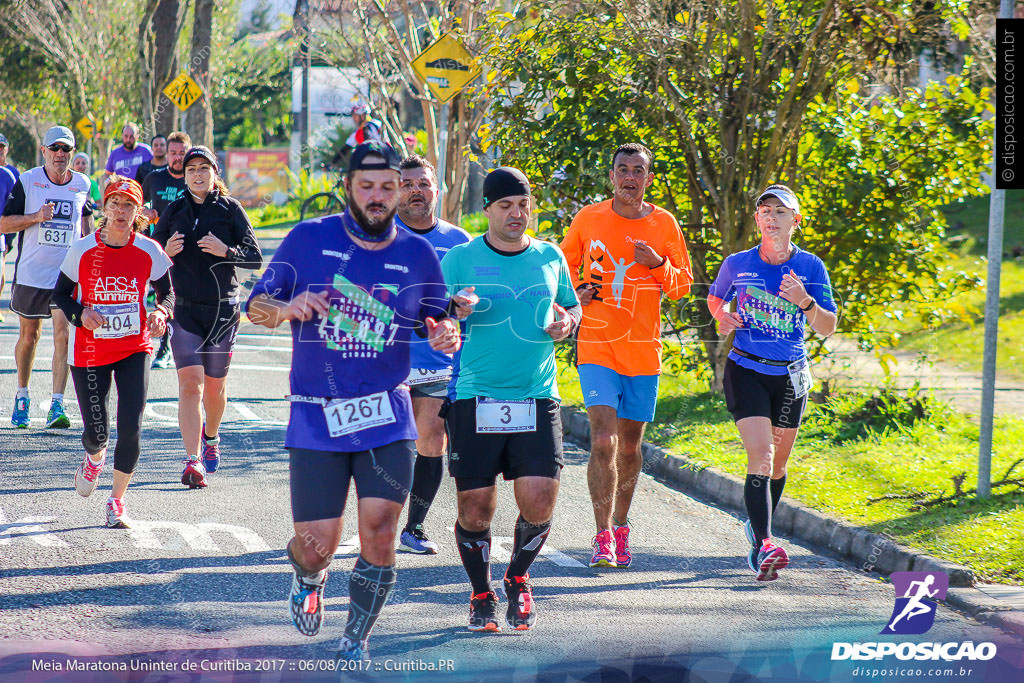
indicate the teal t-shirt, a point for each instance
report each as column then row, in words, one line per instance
column 506, row 354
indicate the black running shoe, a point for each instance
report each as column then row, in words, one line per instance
column 520, row 615
column 483, row 612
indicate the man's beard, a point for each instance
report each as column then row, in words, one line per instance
column 419, row 211
column 377, row 228
column 179, row 170
column 128, row 147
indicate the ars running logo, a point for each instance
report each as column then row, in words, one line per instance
column 916, row 595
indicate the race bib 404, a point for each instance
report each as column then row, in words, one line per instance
column 119, row 320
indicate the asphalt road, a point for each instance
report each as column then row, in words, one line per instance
column 203, row 577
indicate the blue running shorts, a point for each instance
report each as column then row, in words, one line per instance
column 634, row 398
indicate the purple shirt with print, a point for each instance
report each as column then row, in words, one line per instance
column 126, row 163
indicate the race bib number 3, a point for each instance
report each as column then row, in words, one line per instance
column 119, row 320
column 55, row 234
column 421, row 376
column 496, row 417
column 349, row 415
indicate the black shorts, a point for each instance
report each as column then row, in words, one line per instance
column 204, row 335
column 749, row 393
column 429, row 390
column 31, row 302
column 476, row 459
column 319, row 479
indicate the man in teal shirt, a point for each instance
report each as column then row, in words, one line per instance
column 505, row 418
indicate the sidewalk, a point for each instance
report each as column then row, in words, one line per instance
column 849, row 367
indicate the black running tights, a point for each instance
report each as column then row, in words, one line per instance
column 92, row 385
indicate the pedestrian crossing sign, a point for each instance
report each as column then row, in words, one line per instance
column 183, row 91
column 446, row 67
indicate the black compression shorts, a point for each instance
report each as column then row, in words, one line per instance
column 749, row 393
column 320, row 479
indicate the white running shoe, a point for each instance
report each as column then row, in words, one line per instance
column 87, row 475
column 116, row 517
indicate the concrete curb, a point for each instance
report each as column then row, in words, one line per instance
column 869, row 551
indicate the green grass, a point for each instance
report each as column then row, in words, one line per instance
column 952, row 330
column 841, row 461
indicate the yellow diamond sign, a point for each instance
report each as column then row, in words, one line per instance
column 87, row 127
column 183, row 91
column 446, row 67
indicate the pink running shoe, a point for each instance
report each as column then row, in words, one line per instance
column 603, row 555
column 623, row 558
column 770, row 559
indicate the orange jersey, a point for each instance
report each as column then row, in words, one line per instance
column 621, row 327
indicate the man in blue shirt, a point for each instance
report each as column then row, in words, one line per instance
column 355, row 289
column 431, row 370
column 505, row 418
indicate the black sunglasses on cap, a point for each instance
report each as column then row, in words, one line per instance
column 58, row 147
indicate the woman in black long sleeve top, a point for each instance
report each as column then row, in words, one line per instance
column 208, row 236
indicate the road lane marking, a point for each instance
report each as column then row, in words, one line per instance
column 245, row 411
column 197, row 536
column 30, row 528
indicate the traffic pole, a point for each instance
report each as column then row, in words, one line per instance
column 442, row 156
column 997, row 206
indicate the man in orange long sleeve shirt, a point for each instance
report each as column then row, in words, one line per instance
column 623, row 254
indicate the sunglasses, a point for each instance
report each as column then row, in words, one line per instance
column 59, row 148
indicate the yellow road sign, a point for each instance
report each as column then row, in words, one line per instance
column 446, row 67
column 183, row 91
column 87, row 127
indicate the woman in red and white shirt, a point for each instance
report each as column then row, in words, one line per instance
column 102, row 291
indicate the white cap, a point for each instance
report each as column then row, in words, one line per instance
column 59, row 134
column 787, row 198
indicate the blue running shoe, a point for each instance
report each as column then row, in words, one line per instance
column 748, row 529
column 416, row 541
column 19, row 418
column 211, row 452
column 57, row 418
column 353, row 651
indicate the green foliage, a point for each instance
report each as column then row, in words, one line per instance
column 873, row 176
column 272, row 214
column 305, row 184
column 854, row 416
column 730, row 102
column 474, row 223
column 252, row 93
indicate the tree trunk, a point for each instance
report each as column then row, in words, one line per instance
column 167, row 23
column 200, row 114
column 144, row 52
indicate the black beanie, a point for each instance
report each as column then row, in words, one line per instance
column 505, row 182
